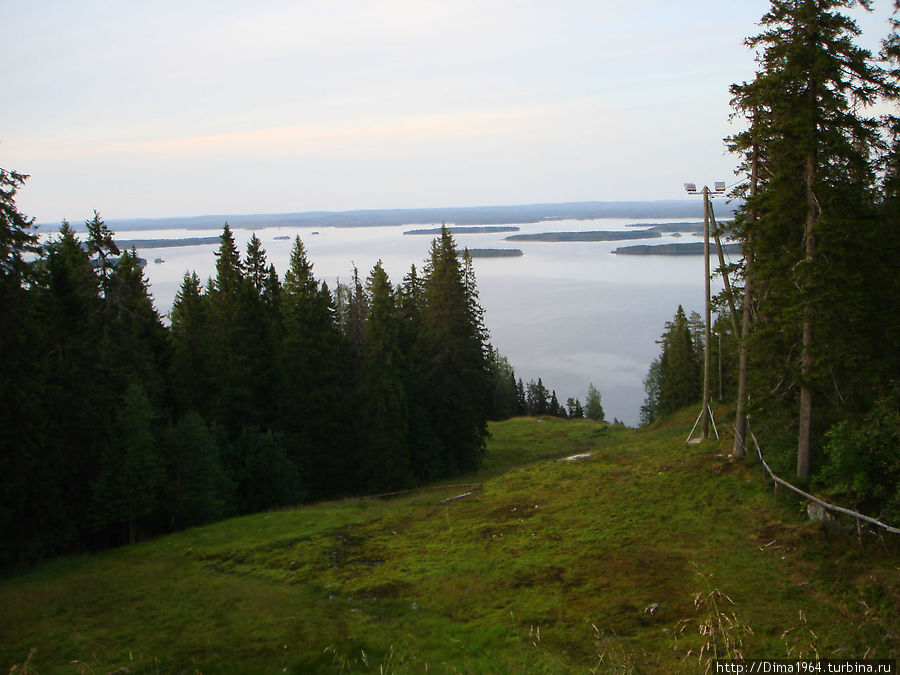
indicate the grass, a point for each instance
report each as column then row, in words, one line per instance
column 549, row 567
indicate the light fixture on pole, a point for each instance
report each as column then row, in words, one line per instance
column 706, row 412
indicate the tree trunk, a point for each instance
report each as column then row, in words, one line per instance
column 740, row 421
column 805, row 430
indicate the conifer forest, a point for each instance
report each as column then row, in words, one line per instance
column 263, row 391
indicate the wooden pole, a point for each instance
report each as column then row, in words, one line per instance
column 707, row 356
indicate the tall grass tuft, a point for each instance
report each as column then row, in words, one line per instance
column 720, row 630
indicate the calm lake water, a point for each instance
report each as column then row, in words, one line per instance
column 571, row 313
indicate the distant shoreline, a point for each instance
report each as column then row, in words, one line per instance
column 467, row 229
column 593, row 235
column 457, row 215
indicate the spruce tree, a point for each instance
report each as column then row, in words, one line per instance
column 100, row 243
column 314, row 382
column 385, row 413
column 33, row 517
column 810, row 234
column 197, row 489
column 190, row 372
column 456, row 369
column 593, row 406
column 126, row 490
column 679, row 366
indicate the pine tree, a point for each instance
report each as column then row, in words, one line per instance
column 197, row 489
column 427, row 460
column 385, row 414
column 504, row 397
column 521, row 398
column 679, row 366
column 255, row 265
column 593, row 407
column 125, row 492
column 190, row 375
column 100, row 243
column 228, row 367
column 314, row 382
column 538, row 398
column 456, row 365
column 137, row 345
column 812, row 215
column 75, row 386
column 650, row 409
column 33, row 517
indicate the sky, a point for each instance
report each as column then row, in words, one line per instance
column 172, row 108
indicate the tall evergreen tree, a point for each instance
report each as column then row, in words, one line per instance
column 813, row 219
column 679, row 367
column 385, row 413
column 314, row 380
column 228, row 367
column 456, row 364
column 126, row 490
column 100, row 243
column 33, row 517
column 76, row 387
column 197, row 489
column 593, row 406
column 190, row 375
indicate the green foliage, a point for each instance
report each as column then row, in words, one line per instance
column 652, row 383
column 264, row 475
column 674, row 379
column 385, row 411
column 455, row 362
column 125, row 491
column 548, row 567
column 17, row 237
column 100, row 243
column 197, row 489
column 593, row 407
column 504, row 393
column 820, row 245
column 861, row 464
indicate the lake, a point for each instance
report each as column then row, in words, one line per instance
column 571, row 313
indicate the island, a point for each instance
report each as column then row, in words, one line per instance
column 467, row 229
column 493, row 252
column 590, row 235
column 693, row 248
column 126, row 244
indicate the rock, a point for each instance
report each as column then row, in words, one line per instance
column 818, row 513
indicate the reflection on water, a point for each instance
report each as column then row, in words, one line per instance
column 569, row 312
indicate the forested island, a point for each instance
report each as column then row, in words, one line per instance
column 494, row 252
column 126, row 244
column 475, row 229
column 693, row 248
column 591, row 235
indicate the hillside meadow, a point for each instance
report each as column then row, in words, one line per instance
column 648, row 555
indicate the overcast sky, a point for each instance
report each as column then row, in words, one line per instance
column 145, row 109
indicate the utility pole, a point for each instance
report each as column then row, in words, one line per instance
column 691, row 189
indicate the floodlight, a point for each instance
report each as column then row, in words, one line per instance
column 720, row 186
column 691, row 188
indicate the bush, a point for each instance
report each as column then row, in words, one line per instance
column 862, row 462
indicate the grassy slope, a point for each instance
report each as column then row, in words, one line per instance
column 547, row 568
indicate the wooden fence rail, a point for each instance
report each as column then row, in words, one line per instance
column 820, row 502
